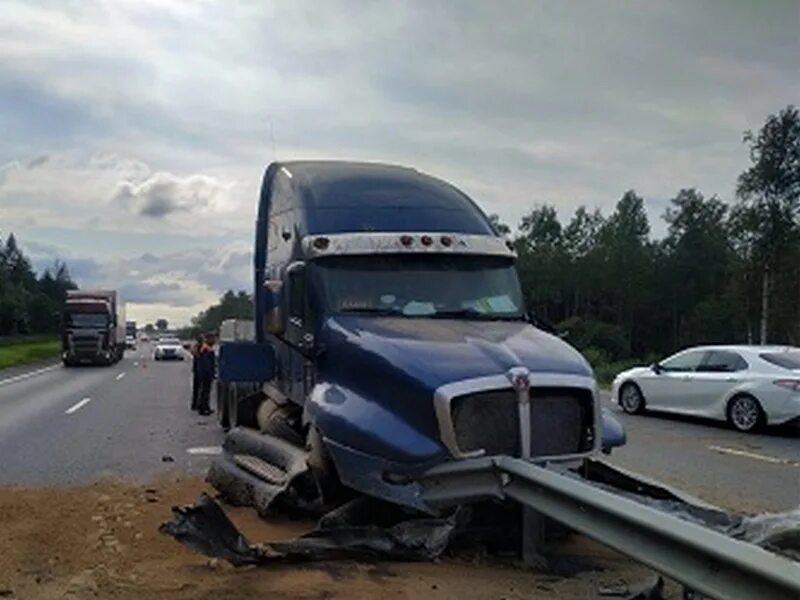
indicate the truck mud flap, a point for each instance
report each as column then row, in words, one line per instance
column 261, row 471
column 205, row 528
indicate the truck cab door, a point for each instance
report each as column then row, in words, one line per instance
column 299, row 335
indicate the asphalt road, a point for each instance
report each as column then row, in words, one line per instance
column 743, row 472
column 68, row 426
column 71, row 425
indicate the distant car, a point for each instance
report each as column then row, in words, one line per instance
column 130, row 342
column 145, row 338
column 747, row 386
column 168, row 349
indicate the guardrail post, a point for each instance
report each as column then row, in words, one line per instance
column 533, row 523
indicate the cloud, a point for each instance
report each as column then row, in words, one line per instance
column 158, row 118
column 38, row 161
column 154, row 293
column 164, row 193
column 110, row 192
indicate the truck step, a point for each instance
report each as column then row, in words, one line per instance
column 260, row 468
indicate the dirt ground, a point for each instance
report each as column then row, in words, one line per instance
column 102, row 541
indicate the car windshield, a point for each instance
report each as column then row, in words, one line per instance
column 86, row 320
column 422, row 286
column 169, row 342
column 788, row 360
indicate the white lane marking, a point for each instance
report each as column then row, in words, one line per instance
column 27, row 375
column 77, row 406
column 755, row 456
column 120, row 376
column 205, row 450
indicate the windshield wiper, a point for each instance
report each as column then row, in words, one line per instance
column 373, row 310
column 471, row 313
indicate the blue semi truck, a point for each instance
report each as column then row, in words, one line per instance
column 390, row 336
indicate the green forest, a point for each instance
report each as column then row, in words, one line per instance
column 29, row 304
column 724, row 273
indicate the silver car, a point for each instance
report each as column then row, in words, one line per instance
column 168, row 349
column 747, row 386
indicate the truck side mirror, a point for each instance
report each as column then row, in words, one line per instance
column 274, row 321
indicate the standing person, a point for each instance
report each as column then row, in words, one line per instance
column 206, row 370
column 195, row 350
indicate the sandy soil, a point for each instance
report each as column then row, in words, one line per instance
column 102, row 541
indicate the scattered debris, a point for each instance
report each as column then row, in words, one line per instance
column 257, row 470
column 204, row 527
column 651, row 589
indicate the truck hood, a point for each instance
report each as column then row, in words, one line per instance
column 376, row 377
column 433, row 352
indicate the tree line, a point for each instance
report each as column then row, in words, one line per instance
column 30, row 304
column 723, row 273
column 232, row 305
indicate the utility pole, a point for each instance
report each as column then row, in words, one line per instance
column 764, row 304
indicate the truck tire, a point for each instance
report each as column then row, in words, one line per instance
column 277, row 424
column 233, row 407
column 247, row 406
column 222, row 405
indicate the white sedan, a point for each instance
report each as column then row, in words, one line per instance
column 168, row 349
column 747, row 386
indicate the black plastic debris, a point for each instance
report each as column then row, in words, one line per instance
column 779, row 533
column 650, row 589
column 776, row 532
column 205, row 528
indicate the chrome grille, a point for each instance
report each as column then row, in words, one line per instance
column 488, row 421
column 85, row 344
column 561, row 422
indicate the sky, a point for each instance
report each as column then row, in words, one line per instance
column 133, row 134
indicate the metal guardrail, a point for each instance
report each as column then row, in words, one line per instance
column 704, row 560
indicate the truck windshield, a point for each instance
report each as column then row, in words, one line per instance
column 88, row 320
column 421, row 285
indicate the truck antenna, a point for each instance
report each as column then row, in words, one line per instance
column 272, row 139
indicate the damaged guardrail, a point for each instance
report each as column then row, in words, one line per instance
column 704, row 560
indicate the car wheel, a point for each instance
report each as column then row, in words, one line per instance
column 631, row 398
column 745, row 413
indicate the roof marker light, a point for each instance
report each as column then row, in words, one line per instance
column 406, row 240
column 321, row 243
column 426, row 240
column 446, row 241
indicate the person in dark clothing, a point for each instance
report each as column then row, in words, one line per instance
column 198, row 343
column 206, row 371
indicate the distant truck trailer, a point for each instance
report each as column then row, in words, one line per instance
column 93, row 328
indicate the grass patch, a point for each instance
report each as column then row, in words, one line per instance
column 28, row 350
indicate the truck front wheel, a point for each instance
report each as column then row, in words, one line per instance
column 222, row 405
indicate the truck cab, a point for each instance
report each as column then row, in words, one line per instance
column 93, row 329
column 398, row 332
